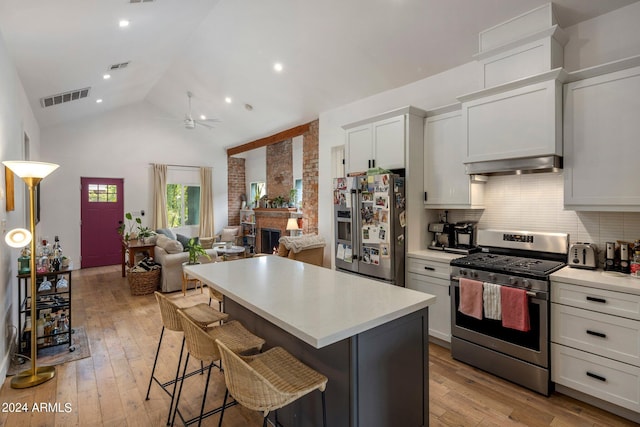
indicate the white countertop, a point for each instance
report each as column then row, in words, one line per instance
column 598, row 279
column 433, row 255
column 318, row 305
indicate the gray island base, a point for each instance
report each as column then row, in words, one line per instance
column 369, row 338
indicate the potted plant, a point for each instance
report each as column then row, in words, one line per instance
column 125, row 229
column 195, row 251
column 144, row 232
column 293, row 197
column 279, row 202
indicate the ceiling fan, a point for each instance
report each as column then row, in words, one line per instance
column 190, row 123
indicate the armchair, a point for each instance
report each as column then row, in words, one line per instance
column 307, row 248
column 231, row 233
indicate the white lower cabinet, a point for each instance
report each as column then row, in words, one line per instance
column 594, row 349
column 432, row 278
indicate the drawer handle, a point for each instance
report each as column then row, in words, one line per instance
column 596, row 376
column 429, row 268
column 601, row 300
column 596, row 334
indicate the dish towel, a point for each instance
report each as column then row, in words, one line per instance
column 491, row 301
column 515, row 308
column 471, row 298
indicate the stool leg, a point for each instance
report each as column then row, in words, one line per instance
column 184, row 372
column 324, row 411
column 204, row 396
column 173, row 394
column 153, row 370
column 224, row 404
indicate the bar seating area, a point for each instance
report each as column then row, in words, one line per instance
column 258, row 381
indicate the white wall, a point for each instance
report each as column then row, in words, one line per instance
column 121, row 144
column 16, row 119
column 607, row 38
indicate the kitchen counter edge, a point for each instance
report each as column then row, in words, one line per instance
column 600, row 279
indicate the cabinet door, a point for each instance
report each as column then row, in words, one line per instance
column 602, row 124
column 389, row 143
column 446, row 182
column 359, row 143
column 440, row 312
column 521, row 122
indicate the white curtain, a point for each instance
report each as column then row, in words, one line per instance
column 206, row 202
column 159, row 196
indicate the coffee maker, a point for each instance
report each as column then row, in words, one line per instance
column 465, row 234
column 443, row 237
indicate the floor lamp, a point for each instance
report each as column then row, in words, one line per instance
column 32, row 173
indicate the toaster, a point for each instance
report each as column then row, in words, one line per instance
column 583, row 255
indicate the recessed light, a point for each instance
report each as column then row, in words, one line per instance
column 203, row 117
column 99, row 101
column 227, row 100
column 277, row 66
column 123, row 23
column 106, row 76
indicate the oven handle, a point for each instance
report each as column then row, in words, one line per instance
column 542, row 296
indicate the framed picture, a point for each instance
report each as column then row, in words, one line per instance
column 8, row 183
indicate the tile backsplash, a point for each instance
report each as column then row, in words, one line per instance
column 534, row 202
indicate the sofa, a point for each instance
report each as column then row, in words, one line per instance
column 170, row 254
column 306, row 248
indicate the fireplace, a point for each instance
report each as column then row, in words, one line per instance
column 269, row 238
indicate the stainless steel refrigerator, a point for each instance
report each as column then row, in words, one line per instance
column 369, row 222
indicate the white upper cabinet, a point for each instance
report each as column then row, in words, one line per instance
column 446, row 183
column 515, row 120
column 377, row 144
column 601, row 134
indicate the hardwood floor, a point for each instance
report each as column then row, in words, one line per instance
column 109, row 388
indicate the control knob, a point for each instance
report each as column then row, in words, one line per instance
column 513, row 280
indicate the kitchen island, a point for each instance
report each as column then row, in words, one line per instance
column 368, row 337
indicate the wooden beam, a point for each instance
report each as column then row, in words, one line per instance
column 273, row 139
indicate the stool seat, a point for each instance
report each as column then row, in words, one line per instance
column 268, row 381
column 203, row 315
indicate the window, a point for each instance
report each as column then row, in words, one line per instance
column 258, row 189
column 298, row 188
column 103, row 193
column 183, row 205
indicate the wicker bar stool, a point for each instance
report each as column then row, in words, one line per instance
column 268, row 381
column 201, row 314
column 213, row 294
column 201, row 344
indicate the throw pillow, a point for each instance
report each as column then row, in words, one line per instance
column 185, row 241
column 169, row 245
column 229, row 234
column 167, row 232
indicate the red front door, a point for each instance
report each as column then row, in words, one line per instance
column 102, row 207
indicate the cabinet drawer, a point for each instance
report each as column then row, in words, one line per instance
column 430, row 268
column 597, row 376
column 601, row 300
column 605, row 335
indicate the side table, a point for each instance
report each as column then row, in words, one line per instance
column 233, row 250
column 133, row 247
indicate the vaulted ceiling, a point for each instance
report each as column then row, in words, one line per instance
column 332, row 52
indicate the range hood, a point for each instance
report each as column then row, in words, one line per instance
column 518, row 166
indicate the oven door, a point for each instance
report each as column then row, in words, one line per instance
column 531, row 346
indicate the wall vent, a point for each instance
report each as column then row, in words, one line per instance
column 74, row 95
column 140, row 1
column 119, row 66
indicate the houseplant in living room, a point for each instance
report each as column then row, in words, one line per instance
column 125, row 229
column 144, row 233
column 196, row 250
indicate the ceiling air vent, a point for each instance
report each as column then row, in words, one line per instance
column 119, row 66
column 140, row 1
column 60, row 98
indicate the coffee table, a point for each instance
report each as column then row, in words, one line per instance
column 233, row 250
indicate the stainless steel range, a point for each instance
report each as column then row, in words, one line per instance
column 515, row 260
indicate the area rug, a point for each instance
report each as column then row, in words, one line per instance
column 57, row 355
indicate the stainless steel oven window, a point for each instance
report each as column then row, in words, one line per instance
column 532, row 346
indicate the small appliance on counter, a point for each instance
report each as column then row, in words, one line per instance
column 465, row 237
column 583, row 255
column 443, row 235
column 611, row 261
